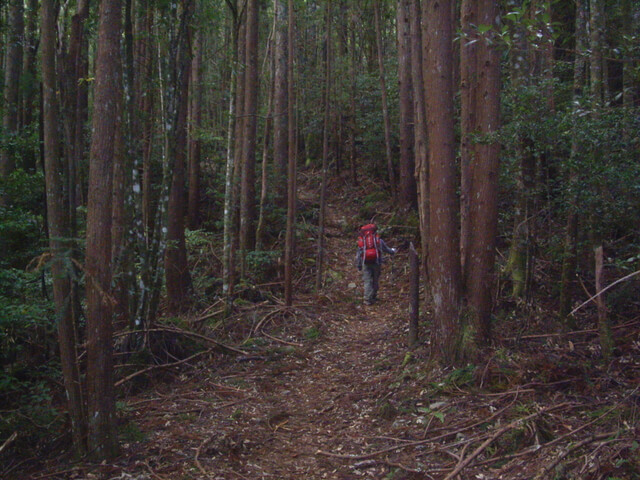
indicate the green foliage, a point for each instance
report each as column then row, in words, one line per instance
column 28, row 408
column 312, row 333
column 460, row 377
column 26, row 318
column 263, row 264
column 21, row 232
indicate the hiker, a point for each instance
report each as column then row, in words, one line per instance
column 369, row 260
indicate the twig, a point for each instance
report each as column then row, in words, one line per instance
column 427, row 440
column 577, row 332
column 198, row 450
column 203, row 337
column 154, row 367
column 604, row 290
column 466, row 461
column 280, row 340
column 152, row 472
column 9, row 441
column 593, row 438
column 537, row 448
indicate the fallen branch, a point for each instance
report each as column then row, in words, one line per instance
column 577, row 332
column 498, row 433
column 9, row 441
column 538, row 448
column 155, row 367
column 627, row 277
column 197, row 459
column 565, row 453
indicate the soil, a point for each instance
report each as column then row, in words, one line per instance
column 329, row 389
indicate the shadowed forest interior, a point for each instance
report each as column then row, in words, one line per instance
column 182, row 185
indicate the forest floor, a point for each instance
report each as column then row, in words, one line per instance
column 330, row 390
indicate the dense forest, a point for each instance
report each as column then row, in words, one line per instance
column 181, row 188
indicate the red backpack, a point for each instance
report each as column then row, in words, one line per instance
column 369, row 241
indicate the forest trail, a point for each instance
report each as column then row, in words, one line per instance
column 318, row 387
column 327, row 390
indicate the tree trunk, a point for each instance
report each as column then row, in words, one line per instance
column 194, row 140
column 289, row 250
column 596, row 24
column 103, row 439
column 353, row 124
column 569, row 258
column 483, row 211
column 325, row 152
column 248, row 188
column 407, row 185
column 444, row 252
column 12, row 87
column 280, row 107
column 468, row 88
column 30, row 75
column 385, row 102
column 268, row 125
column 57, row 221
column 178, row 279
column 414, row 295
column 420, row 130
column 604, row 329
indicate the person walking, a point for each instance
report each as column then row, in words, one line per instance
column 369, row 260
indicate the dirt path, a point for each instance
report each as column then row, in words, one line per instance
column 327, row 391
column 314, row 391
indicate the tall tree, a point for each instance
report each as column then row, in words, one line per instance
column 483, row 211
column 103, row 440
column 30, row 93
column 11, row 94
column 247, row 196
column 569, row 258
column 353, row 124
column 195, row 144
column 178, row 278
column 468, row 89
column 280, row 107
column 325, row 150
column 420, row 129
column 58, row 227
column 385, row 102
column 291, row 167
column 407, row 183
column 228, row 262
column 444, row 257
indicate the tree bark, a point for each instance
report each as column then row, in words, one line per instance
column 407, row 185
column 247, row 194
column 194, row 134
column 57, row 221
column 178, row 279
column 11, row 94
column 604, row 329
column 103, row 440
column 280, row 107
column 291, row 166
column 414, row 295
column 30, row 95
column 230, row 198
column 353, row 124
column 444, row 252
column 268, row 125
column 483, row 211
column 569, row 258
column 385, row 102
column 325, row 152
column 421, row 173
column 468, row 89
